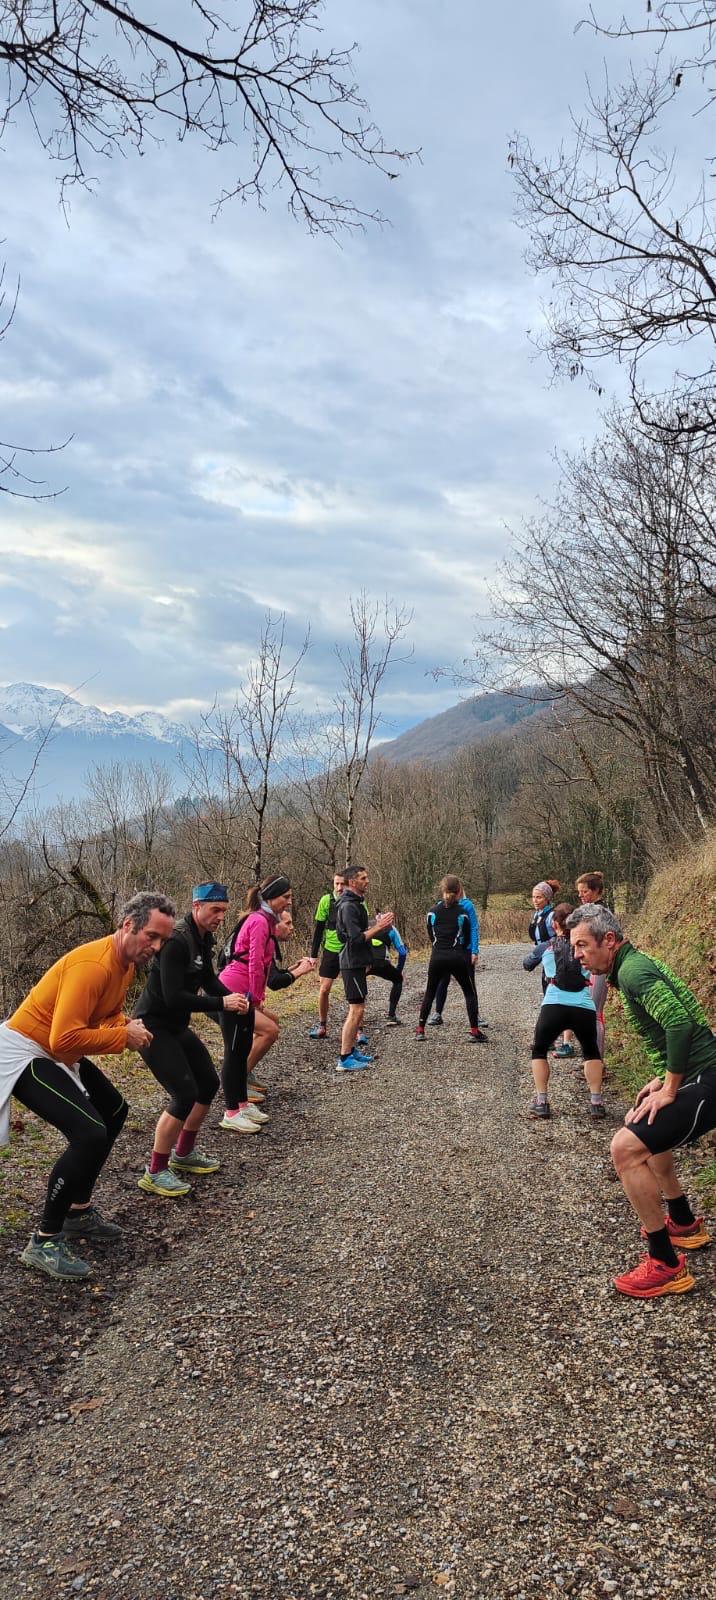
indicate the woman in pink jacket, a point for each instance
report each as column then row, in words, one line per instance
column 253, row 951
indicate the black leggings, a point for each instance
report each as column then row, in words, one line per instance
column 385, row 969
column 90, row 1123
column 442, row 989
column 238, row 1031
column 553, row 1019
column 183, row 1066
column 448, row 964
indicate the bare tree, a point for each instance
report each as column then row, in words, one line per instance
column 631, row 256
column 97, row 76
column 485, row 777
column 15, row 459
column 241, row 749
column 377, row 630
column 611, row 605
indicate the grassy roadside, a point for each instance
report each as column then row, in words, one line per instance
column 677, row 923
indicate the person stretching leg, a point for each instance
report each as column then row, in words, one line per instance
column 436, row 1019
column 77, row 1006
column 450, row 934
column 357, row 960
column 181, row 981
column 674, row 1108
column 248, row 970
column 327, row 944
column 566, row 1003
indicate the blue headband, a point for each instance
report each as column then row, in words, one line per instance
column 210, row 891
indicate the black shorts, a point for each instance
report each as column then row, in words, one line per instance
column 330, row 964
column 552, row 1021
column 355, row 983
column 691, row 1114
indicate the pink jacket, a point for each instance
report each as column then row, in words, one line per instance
column 250, row 965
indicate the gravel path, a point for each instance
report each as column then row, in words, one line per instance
column 380, row 1355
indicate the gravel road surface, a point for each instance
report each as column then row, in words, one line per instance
column 379, row 1354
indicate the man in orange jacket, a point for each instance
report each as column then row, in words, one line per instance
column 77, row 1007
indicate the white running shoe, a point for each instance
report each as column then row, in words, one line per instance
column 255, row 1115
column 239, row 1123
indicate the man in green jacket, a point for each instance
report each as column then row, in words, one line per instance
column 326, row 940
column 676, row 1107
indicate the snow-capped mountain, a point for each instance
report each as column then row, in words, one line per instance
column 50, row 742
column 30, row 708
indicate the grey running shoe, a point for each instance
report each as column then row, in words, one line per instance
column 435, row 1021
column 540, row 1110
column 90, row 1224
column 194, row 1162
column 597, row 1112
column 393, row 1022
column 53, row 1255
column 166, row 1184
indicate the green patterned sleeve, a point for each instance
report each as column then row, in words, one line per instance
column 671, row 1012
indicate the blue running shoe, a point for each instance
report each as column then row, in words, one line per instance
column 319, row 1031
column 351, row 1064
column 362, row 1055
column 361, row 1038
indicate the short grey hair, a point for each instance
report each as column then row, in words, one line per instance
column 599, row 920
column 141, row 906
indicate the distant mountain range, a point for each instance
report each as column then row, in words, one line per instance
column 81, row 737
column 439, row 737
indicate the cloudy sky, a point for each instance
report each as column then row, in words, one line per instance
column 264, row 419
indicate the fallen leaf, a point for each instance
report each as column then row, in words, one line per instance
column 86, row 1405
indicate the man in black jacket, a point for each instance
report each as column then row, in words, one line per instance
column 182, row 980
column 357, row 960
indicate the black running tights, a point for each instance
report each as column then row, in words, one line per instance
column 238, row 1032
column 90, row 1123
column 448, row 964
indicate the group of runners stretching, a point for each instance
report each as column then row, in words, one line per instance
column 77, row 1008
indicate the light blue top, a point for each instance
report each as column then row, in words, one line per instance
column 580, row 998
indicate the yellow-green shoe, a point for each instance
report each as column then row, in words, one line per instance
column 165, row 1184
column 194, row 1162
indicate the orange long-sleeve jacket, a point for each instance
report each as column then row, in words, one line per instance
column 76, row 1008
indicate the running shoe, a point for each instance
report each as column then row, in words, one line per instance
column 166, row 1184
column 361, row 1038
column 255, row 1097
column 89, row 1224
column 435, row 1021
column 352, row 1063
column 597, row 1111
column 393, row 1022
column 239, row 1122
column 483, row 1022
column 318, row 1031
column 194, row 1162
column 690, row 1235
column 362, row 1055
column 420, row 1032
column 256, row 1116
column 254, row 1083
column 53, row 1255
column 477, row 1036
column 651, row 1278
column 539, row 1110
column 564, row 1051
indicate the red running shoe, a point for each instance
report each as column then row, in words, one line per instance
column 690, row 1235
column 651, row 1278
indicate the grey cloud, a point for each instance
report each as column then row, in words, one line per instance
column 384, row 392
